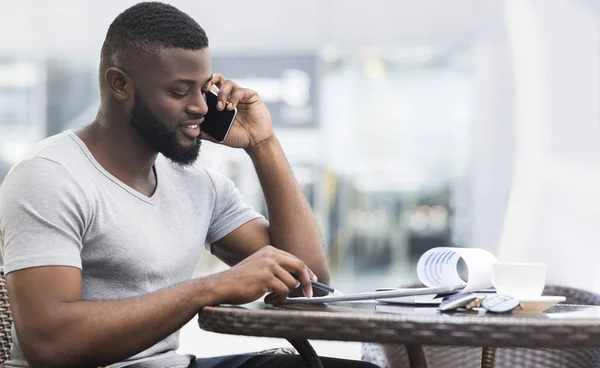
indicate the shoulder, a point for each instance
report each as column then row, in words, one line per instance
column 50, row 168
column 58, row 147
column 39, row 179
column 60, row 150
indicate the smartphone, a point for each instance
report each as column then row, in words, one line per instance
column 217, row 123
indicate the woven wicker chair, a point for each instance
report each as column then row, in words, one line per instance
column 6, row 324
column 5, row 321
column 392, row 356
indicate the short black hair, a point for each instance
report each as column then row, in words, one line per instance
column 145, row 28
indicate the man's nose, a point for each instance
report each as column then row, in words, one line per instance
column 198, row 106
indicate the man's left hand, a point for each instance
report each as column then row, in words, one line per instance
column 253, row 121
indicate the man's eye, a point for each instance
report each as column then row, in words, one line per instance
column 180, row 93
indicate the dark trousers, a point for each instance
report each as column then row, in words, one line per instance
column 272, row 361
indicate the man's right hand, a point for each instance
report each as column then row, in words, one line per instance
column 269, row 270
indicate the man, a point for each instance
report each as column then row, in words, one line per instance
column 101, row 228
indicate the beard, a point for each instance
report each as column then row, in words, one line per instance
column 159, row 136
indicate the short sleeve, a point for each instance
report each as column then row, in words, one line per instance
column 229, row 210
column 43, row 216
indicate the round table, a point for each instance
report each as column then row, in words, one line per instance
column 562, row 326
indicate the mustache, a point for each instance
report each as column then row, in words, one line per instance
column 193, row 117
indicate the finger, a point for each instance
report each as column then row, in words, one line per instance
column 307, row 287
column 240, row 95
column 283, row 252
column 225, row 91
column 297, row 268
column 279, row 290
column 274, row 299
column 217, row 80
column 216, row 84
column 312, row 274
column 287, row 278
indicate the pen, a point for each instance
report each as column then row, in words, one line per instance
column 326, row 288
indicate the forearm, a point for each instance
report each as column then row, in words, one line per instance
column 292, row 226
column 97, row 333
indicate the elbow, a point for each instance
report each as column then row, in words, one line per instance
column 39, row 341
column 41, row 354
column 47, row 353
column 48, row 359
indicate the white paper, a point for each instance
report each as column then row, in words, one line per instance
column 395, row 293
column 437, row 267
column 437, row 270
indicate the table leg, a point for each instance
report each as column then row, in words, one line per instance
column 416, row 356
column 307, row 353
column 488, row 357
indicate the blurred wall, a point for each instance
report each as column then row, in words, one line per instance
column 237, row 25
column 493, row 133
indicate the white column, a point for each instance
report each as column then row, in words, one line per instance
column 531, row 107
column 554, row 208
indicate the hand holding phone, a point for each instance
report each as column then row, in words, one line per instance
column 217, row 123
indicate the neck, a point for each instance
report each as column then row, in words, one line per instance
column 120, row 149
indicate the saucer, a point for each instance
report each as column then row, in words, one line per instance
column 540, row 303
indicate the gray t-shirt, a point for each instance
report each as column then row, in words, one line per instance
column 58, row 206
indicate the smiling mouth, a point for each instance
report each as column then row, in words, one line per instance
column 191, row 130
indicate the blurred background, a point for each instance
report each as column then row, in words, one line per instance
column 408, row 124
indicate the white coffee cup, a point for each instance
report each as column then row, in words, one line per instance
column 519, row 280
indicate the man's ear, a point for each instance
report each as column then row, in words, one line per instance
column 119, row 83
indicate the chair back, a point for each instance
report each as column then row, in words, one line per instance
column 573, row 295
column 387, row 355
column 5, row 320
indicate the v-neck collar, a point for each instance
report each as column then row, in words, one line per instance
column 92, row 159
